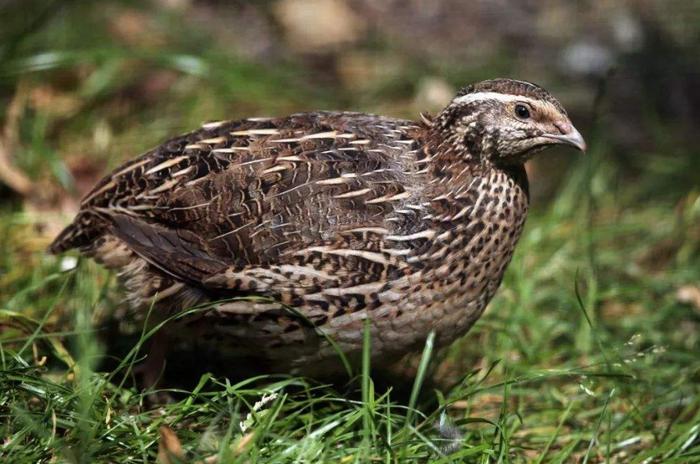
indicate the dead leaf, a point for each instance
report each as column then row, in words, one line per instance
column 9, row 174
column 237, row 448
column 135, row 28
column 48, row 100
column 243, row 443
column 169, row 448
column 317, row 25
column 689, row 294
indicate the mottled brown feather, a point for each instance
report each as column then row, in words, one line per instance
column 331, row 217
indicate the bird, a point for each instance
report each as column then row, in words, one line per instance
column 298, row 237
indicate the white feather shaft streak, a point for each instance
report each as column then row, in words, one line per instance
column 397, row 251
column 213, row 125
column 368, row 255
column 375, row 230
column 321, row 135
column 277, row 168
column 304, row 272
column 255, row 132
column 166, row 164
column 333, row 181
column 163, row 187
column 362, row 289
column 230, row 149
column 109, row 185
column 428, row 233
column 182, row 172
column 354, row 193
column 398, row 196
column 213, row 141
column 131, row 168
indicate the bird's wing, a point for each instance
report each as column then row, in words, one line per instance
column 256, row 194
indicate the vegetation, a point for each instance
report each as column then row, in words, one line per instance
column 589, row 352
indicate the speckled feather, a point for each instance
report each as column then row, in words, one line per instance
column 331, row 217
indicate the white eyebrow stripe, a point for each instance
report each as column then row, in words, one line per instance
column 481, row 96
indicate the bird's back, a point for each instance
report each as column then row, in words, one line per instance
column 294, row 180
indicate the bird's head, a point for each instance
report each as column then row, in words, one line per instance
column 505, row 121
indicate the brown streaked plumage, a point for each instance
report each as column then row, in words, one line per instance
column 333, row 218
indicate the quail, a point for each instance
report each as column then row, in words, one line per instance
column 294, row 235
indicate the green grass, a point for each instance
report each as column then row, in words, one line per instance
column 585, row 355
column 567, row 364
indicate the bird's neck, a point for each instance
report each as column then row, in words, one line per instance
column 459, row 134
column 448, row 161
column 456, row 163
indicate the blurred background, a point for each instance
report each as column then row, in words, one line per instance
column 87, row 84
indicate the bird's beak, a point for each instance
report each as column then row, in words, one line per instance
column 569, row 137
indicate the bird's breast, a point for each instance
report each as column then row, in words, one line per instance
column 460, row 255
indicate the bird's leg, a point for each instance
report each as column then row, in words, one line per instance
column 152, row 368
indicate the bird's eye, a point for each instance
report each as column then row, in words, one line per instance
column 522, row 112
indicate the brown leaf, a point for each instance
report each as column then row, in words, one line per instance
column 689, row 294
column 243, row 443
column 49, row 100
column 169, row 448
column 237, row 448
column 316, row 25
column 135, row 28
column 9, row 174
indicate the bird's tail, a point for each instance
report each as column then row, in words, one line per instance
column 78, row 234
